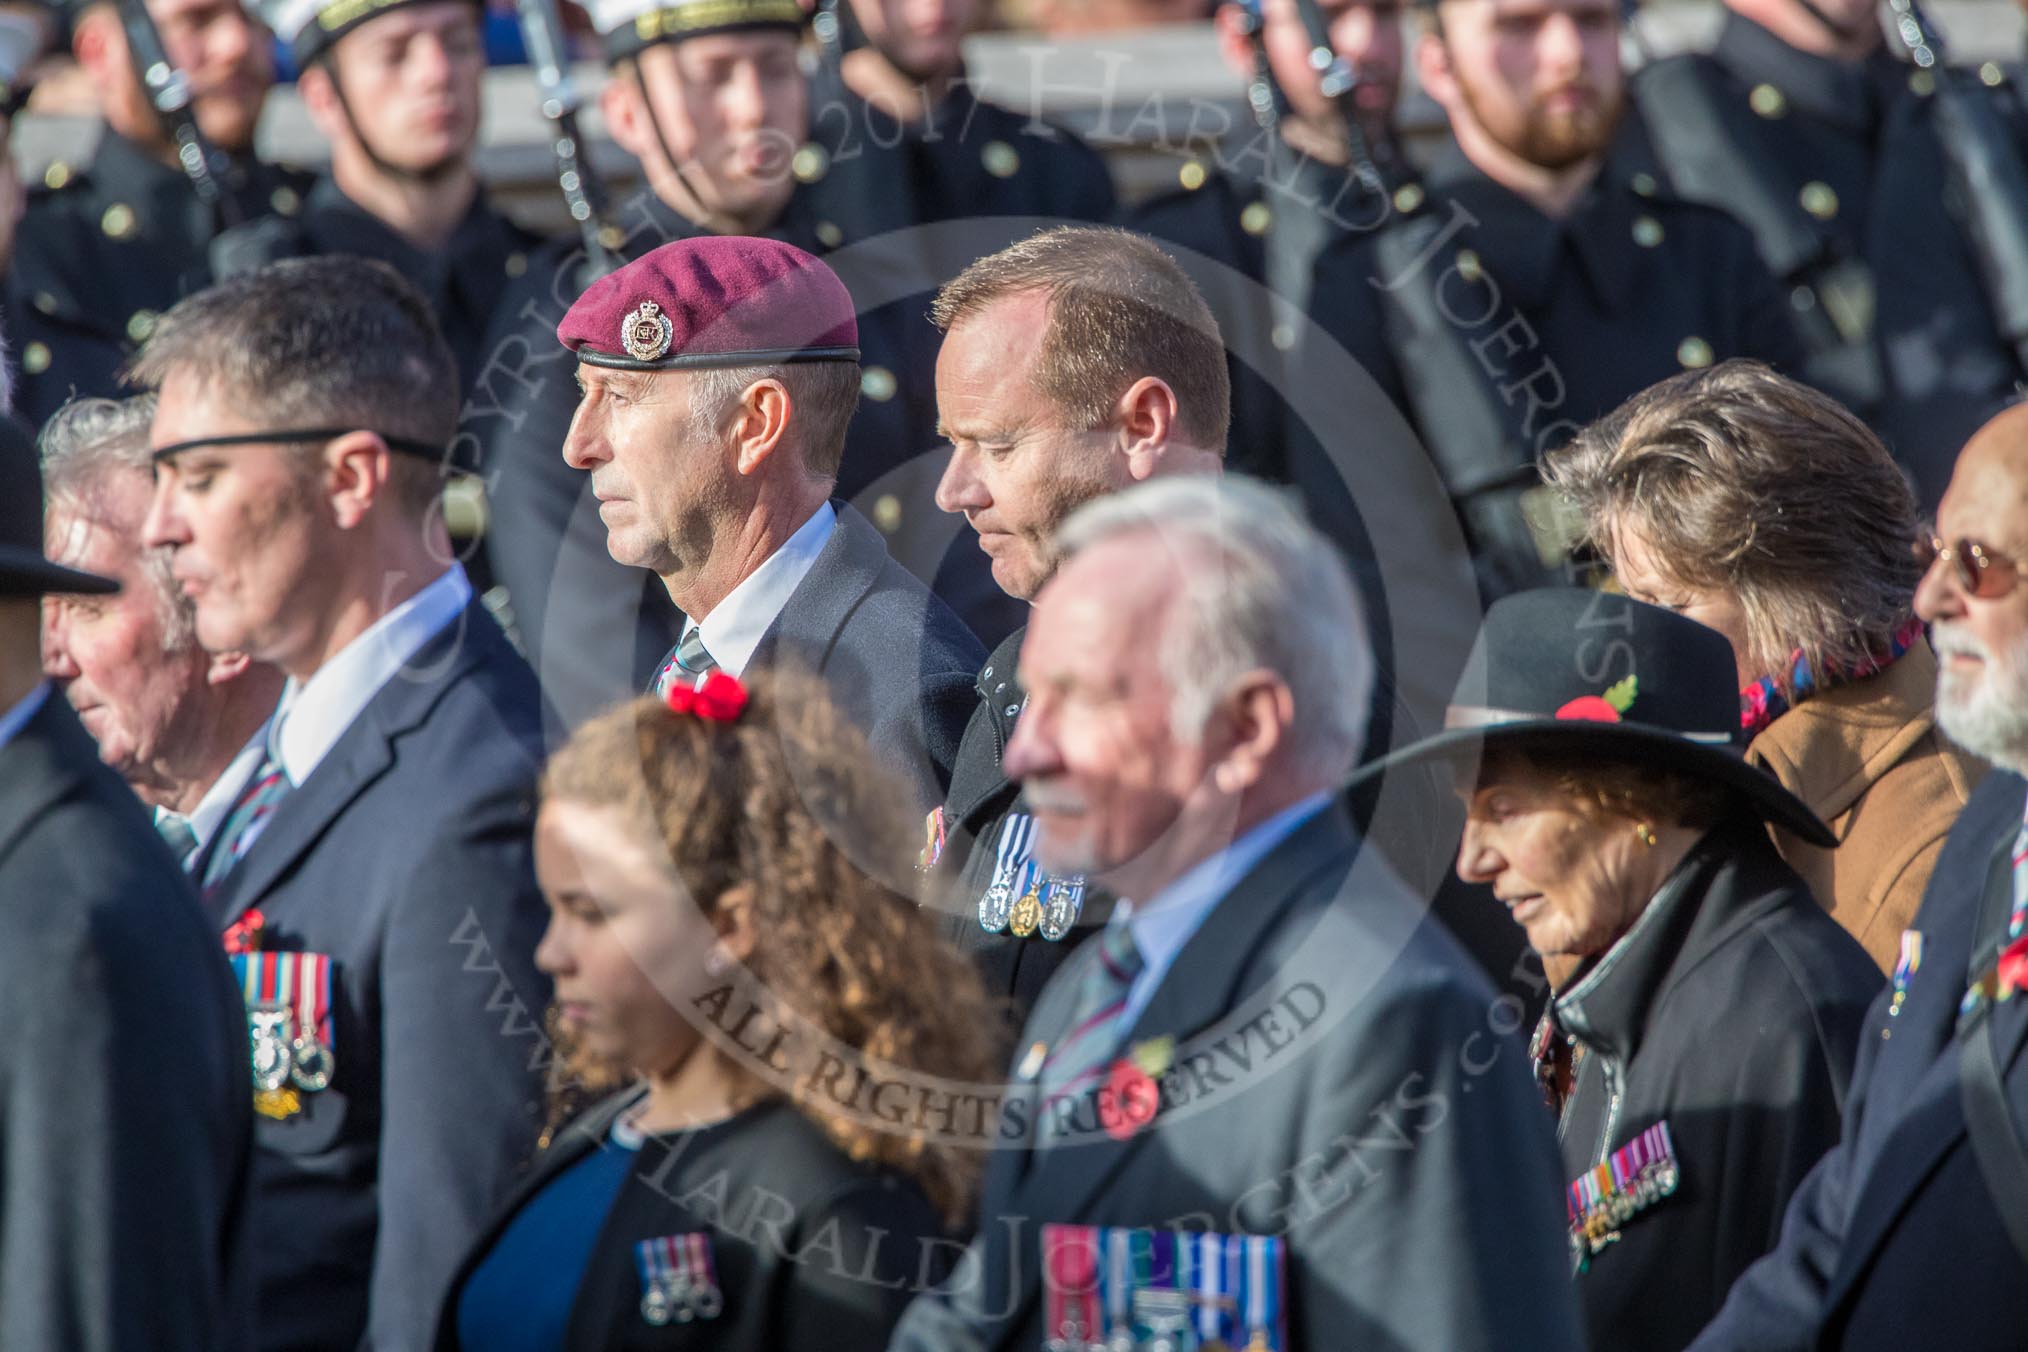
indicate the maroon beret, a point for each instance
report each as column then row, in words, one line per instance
column 718, row 300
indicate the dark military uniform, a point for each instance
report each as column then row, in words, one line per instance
column 463, row 279
column 964, row 839
column 100, row 253
column 593, row 627
column 1859, row 217
column 1265, row 212
column 1559, row 320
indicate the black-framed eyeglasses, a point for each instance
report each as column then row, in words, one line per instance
column 295, row 436
column 1982, row 572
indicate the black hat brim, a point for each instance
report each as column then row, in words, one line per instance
column 1624, row 742
column 25, row 572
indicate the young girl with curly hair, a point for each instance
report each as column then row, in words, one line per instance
column 804, row 1065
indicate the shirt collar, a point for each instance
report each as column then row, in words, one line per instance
column 736, row 625
column 1843, row 93
column 1164, row 923
column 314, row 714
column 12, row 721
column 1525, row 251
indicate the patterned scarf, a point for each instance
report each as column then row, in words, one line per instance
column 1762, row 702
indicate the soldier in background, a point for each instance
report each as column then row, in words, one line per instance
column 102, row 250
column 1278, row 190
column 395, row 89
column 1802, row 124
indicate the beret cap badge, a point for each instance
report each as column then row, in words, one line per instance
column 646, row 332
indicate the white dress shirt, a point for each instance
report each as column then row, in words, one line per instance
column 314, row 714
column 17, row 717
column 1164, row 923
column 736, row 625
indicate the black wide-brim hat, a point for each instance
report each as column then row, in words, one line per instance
column 1594, row 673
column 24, row 571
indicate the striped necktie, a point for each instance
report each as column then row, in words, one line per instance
column 1080, row 1058
column 687, row 659
column 256, row 803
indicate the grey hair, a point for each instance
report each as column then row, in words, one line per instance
column 825, row 395
column 90, row 441
column 1261, row 589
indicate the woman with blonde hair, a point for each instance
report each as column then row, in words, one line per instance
column 1765, row 510
column 802, row 1060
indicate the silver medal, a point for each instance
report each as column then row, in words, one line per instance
column 997, row 906
column 1062, row 901
column 268, row 1028
column 311, row 1064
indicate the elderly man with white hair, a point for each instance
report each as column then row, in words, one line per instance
column 1273, row 1103
column 177, row 723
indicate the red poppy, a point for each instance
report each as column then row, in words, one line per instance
column 718, row 697
column 1590, row 709
column 244, row 934
column 1128, row 1100
column 2012, row 971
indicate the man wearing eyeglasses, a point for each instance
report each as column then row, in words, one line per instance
column 373, row 879
column 1913, row 1231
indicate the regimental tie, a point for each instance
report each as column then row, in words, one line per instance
column 249, row 816
column 1081, row 1057
column 2017, row 918
column 177, row 833
column 688, row 659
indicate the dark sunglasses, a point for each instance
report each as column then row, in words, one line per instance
column 1982, row 572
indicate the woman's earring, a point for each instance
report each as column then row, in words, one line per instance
column 1644, row 835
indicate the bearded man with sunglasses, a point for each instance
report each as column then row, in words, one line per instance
column 1913, row 1231
column 373, row 881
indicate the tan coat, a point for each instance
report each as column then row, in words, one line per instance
column 1868, row 759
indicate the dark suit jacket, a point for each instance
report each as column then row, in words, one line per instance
column 812, row 1252
column 897, row 661
column 1901, row 1123
column 1341, row 1076
column 124, row 1119
column 406, row 858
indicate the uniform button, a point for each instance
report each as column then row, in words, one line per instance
column 1923, row 83
column 1000, row 689
column 1255, row 218
column 1642, row 184
column 35, row 358
column 1469, row 267
column 1408, row 198
column 611, row 238
column 1191, row 175
column 56, row 175
column 118, row 222
column 877, row 384
column 1991, row 76
column 1694, row 353
column 1013, row 709
column 810, row 163
column 140, row 324
column 1819, row 199
column 1000, row 159
column 45, row 302
column 829, row 235
column 285, row 200
column 517, row 263
column 1766, row 100
column 887, row 513
column 1283, row 336
column 1803, row 300
column 1647, row 231
column 986, row 675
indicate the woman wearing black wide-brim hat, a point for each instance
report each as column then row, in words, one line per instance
column 1698, row 1051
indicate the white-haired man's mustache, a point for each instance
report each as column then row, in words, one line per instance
column 1950, row 642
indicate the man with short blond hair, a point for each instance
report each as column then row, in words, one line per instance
column 1075, row 363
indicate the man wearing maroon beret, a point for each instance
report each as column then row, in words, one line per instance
column 708, row 95
column 719, row 375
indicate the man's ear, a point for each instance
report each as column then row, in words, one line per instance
column 319, row 89
column 1257, row 714
column 227, row 666
column 1433, row 69
column 1147, row 419
column 761, row 423
column 357, row 468
column 620, row 106
column 100, row 44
